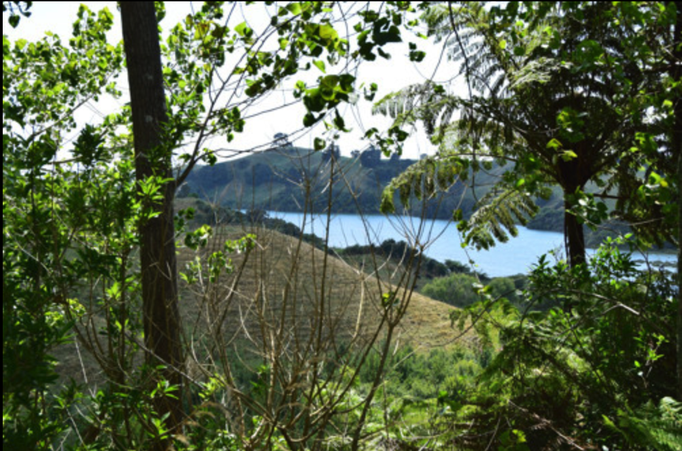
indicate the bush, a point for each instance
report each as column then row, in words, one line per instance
column 458, row 288
column 593, row 369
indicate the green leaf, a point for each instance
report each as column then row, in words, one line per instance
column 294, row 8
column 328, row 33
column 309, row 120
column 554, row 144
column 568, row 155
column 243, row 29
column 320, row 65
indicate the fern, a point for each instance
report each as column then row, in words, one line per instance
column 423, row 180
column 654, row 427
column 427, row 103
column 496, row 216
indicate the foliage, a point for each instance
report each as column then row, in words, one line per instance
column 74, row 224
column 651, row 426
column 535, row 74
column 455, row 289
column 63, row 228
column 281, row 364
column 568, row 378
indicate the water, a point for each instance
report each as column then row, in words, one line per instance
column 441, row 240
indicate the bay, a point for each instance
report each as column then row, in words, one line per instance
column 441, row 240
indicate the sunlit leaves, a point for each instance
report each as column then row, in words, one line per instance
column 218, row 263
column 58, row 73
column 199, row 237
column 496, row 217
column 422, row 180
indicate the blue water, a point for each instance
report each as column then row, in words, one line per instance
column 441, row 240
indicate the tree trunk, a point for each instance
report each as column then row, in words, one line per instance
column 573, row 179
column 574, row 237
column 157, row 246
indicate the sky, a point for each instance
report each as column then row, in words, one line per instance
column 390, row 75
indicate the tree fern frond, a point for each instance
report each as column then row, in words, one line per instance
column 423, row 180
column 539, row 70
column 495, row 218
column 427, row 103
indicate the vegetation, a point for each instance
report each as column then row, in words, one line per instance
column 133, row 319
column 265, row 181
column 535, row 74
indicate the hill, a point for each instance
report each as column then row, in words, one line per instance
column 287, row 297
column 289, row 284
column 294, row 178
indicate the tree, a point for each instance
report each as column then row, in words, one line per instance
column 536, row 75
column 158, row 263
column 455, row 289
column 53, row 227
column 281, row 140
column 370, row 157
column 570, row 93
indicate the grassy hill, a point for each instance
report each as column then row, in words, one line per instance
column 279, row 299
column 287, row 282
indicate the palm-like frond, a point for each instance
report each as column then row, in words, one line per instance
column 427, row 103
column 496, row 217
column 423, row 180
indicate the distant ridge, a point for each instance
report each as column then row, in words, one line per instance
column 293, row 178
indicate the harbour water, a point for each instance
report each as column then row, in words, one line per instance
column 441, row 240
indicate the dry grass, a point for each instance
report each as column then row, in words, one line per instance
column 281, row 288
column 286, row 277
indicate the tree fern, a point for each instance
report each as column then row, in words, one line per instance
column 541, row 96
column 496, row 217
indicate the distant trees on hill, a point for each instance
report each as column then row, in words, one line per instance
column 281, row 140
column 332, row 149
column 371, row 157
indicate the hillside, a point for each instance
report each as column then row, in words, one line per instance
column 291, row 285
column 293, row 178
column 274, row 299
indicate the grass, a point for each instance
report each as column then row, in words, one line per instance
column 353, row 295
